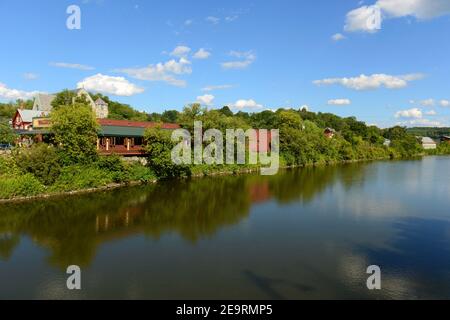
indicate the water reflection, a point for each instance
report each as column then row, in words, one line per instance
column 306, row 233
column 72, row 227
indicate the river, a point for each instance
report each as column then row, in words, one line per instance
column 307, row 233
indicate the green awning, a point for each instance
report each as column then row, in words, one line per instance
column 115, row 131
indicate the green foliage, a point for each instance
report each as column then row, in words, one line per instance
column 41, row 160
column 138, row 172
column 434, row 133
column 68, row 98
column 170, row 116
column 20, row 186
column 75, row 132
column 78, row 177
column 7, row 134
column 159, row 149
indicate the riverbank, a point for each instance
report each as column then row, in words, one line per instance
column 198, row 172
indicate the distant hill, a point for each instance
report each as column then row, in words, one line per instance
column 434, row 133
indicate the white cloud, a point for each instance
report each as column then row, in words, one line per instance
column 231, row 18
column 357, row 20
column 246, row 59
column 217, row 87
column 213, row 20
column 374, row 81
column 421, row 9
column 30, row 76
column 339, row 102
column 206, row 99
column 427, row 103
column 338, row 37
column 71, row 66
column 188, row 22
column 14, row 94
column 202, row 54
column 165, row 72
column 305, row 107
column 117, row 86
column 180, row 51
column 410, row 113
column 444, row 103
column 431, row 113
column 422, row 123
column 246, row 104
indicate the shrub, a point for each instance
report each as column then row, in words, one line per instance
column 41, row 160
column 79, row 177
column 20, row 186
column 138, row 172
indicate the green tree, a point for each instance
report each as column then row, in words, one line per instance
column 67, row 98
column 7, row 134
column 75, row 130
column 159, row 147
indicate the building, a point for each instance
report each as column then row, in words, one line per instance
column 445, row 139
column 387, row 143
column 43, row 102
column 329, row 133
column 126, row 138
column 428, row 143
column 23, row 119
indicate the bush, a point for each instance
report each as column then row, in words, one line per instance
column 79, row 177
column 8, row 167
column 20, row 186
column 138, row 172
column 41, row 160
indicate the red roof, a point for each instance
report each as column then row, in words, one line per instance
column 137, row 124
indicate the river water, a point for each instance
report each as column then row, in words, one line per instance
column 307, row 233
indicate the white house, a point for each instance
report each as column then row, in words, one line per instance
column 428, row 143
column 43, row 102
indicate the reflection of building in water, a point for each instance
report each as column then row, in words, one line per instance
column 260, row 192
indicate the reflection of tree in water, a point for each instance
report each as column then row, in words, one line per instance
column 72, row 227
column 8, row 242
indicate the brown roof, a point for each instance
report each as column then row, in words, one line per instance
column 137, row 124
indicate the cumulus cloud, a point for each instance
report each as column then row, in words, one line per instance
column 245, row 60
column 422, row 123
column 246, row 104
column 338, row 37
column 202, row 54
column 374, row 81
column 71, row 66
column 14, row 94
column 217, row 87
column 339, row 102
column 360, row 19
column 444, row 103
column 357, row 20
column 180, row 51
column 117, row 86
column 431, row 113
column 410, row 113
column 165, row 72
column 206, row 99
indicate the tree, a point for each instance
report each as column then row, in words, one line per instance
column 7, row 135
column 159, row 147
column 75, row 131
column 170, row 116
column 226, row 111
column 67, row 98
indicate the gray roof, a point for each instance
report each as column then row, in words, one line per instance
column 100, row 102
column 28, row 115
column 427, row 140
column 43, row 102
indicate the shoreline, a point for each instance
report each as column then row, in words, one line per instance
column 114, row 186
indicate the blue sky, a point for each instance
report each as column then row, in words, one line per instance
column 251, row 55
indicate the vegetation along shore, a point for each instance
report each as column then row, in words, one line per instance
column 69, row 160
